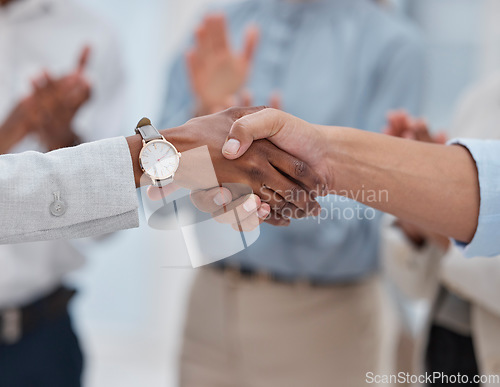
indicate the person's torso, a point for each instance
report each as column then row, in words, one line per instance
column 323, row 58
column 37, row 35
column 323, row 62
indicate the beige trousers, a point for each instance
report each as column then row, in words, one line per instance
column 256, row 333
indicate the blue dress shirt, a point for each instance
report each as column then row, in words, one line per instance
column 334, row 62
column 486, row 154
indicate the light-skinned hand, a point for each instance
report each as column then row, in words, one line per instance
column 244, row 213
column 299, row 138
column 216, row 71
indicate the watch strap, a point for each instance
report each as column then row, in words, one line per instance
column 147, row 131
column 163, row 182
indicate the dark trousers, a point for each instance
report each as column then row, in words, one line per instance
column 451, row 354
column 50, row 356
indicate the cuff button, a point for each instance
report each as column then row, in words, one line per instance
column 57, row 207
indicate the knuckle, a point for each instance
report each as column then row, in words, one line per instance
column 278, row 205
column 265, row 147
column 236, row 113
column 288, row 211
column 255, row 172
column 299, row 168
column 293, row 193
column 239, row 125
column 232, row 112
column 319, row 186
column 254, row 165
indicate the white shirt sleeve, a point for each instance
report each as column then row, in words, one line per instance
column 69, row 193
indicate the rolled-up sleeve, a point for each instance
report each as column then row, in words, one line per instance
column 69, row 193
column 486, row 154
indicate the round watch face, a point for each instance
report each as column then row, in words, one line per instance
column 159, row 159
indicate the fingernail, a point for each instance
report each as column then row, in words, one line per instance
column 231, row 147
column 250, row 205
column 263, row 213
column 220, row 199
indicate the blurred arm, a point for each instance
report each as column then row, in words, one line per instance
column 22, row 120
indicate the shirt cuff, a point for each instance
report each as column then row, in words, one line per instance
column 486, row 154
column 69, row 193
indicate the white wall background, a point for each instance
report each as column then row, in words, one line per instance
column 130, row 310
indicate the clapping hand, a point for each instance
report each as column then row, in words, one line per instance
column 401, row 124
column 217, row 72
column 59, row 100
column 25, row 118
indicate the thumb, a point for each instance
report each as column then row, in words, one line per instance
column 263, row 124
column 83, row 59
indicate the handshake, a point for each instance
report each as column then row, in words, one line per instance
column 270, row 166
column 284, row 163
column 241, row 187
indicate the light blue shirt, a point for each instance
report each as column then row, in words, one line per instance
column 486, row 154
column 334, row 62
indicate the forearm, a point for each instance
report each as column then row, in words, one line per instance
column 10, row 137
column 6, row 145
column 65, row 139
column 430, row 185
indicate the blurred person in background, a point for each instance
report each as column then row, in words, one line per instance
column 303, row 305
column 463, row 328
column 61, row 84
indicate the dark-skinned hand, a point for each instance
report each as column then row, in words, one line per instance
column 59, row 101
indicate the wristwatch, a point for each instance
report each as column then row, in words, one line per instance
column 158, row 159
